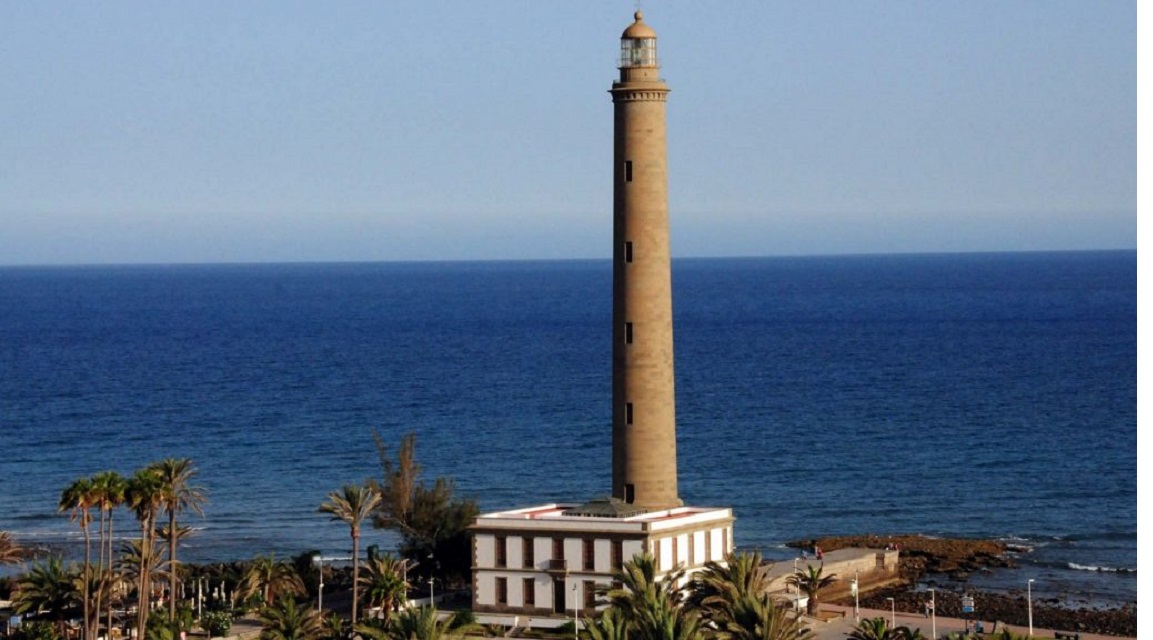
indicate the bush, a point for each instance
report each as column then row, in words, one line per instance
column 216, row 623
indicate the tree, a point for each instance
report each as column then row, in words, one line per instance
column 177, row 494
column 49, row 588
column 810, row 581
column 432, row 521
column 383, row 582
column 757, row 617
column 78, row 498
column 610, row 625
column 285, row 620
column 721, row 583
column 421, row 623
column 109, row 490
column 353, row 504
column 873, row 629
column 270, row 579
column 144, row 494
column 10, row 551
column 652, row 608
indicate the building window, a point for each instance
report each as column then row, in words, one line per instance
column 628, row 251
column 590, row 594
column 628, row 170
column 558, row 548
column 628, row 413
column 630, row 490
column 617, row 554
column 589, row 553
column 529, row 561
column 675, row 558
column 502, row 590
column 692, row 549
column 628, row 333
column 529, row 592
column 501, row 551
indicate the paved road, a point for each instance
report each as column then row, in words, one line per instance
column 839, row 628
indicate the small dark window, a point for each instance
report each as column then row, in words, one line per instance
column 589, row 555
column 630, row 493
column 590, row 594
column 628, row 413
column 529, row 592
column 628, row 251
column 628, row 170
column 528, row 556
column 628, row 333
column 558, row 548
column 501, row 551
column 617, row 554
column 502, row 590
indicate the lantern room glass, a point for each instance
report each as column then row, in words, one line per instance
column 638, row 52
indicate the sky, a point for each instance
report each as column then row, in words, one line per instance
column 283, row 131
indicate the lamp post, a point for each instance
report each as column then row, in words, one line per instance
column 1029, row 592
column 893, row 615
column 856, row 596
column 318, row 560
column 575, row 603
column 431, row 592
column 933, row 610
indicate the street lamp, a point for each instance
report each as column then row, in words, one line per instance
column 893, row 617
column 856, row 596
column 933, row 610
column 318, row 560
column 575, row 603
column 1029, row 592
column 431, row 592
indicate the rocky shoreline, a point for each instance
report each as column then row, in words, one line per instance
column 924, row 558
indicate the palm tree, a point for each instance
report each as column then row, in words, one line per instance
column 178, row 494
column 421, row 623
column 108, row 492
column 810, row 581
column 79, row 498
column 353, row 504
column 639, row 586
column 10, row 551
column 144, row 494
column 49, row 588
column 383, row 582
column 285, row 620
column 610, row 625
column 757, row 617
column 270, row 579
column 739, row 575
column 873, row 629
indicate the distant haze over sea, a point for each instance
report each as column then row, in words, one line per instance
column 978, row 395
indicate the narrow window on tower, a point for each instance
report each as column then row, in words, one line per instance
column 630, row 493
column 628, row 252
column 628, row 170
column 628, row 333
column 628, row 413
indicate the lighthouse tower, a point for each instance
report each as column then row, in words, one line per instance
column 644, row 410
column 536, row 565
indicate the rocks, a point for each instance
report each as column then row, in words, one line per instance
column 957, row 558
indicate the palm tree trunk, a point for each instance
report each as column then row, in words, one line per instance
column 87, row 591
column 171, row 565
column 355, row 571
column 143, row 593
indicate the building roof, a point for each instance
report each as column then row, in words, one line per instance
column 605, row 507
column 638, row 29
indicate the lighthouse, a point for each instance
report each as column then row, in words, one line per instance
column 644, row 406
column 540, row 565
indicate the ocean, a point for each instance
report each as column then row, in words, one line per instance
column 976, row 395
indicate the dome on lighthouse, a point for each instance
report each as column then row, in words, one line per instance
column 638, row 29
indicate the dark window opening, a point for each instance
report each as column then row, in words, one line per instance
column 527, row 554
column 617, row 554
column 628, row 413
column 501, row 551
column 590, row 594
column 630, row 493
column 628, row 170
column 529, row 592
column 502, row 590
column 589, row 555
column 628, row 333
column 558, row 548
column 628, row 252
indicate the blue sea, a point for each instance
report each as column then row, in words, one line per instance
column 978, row 395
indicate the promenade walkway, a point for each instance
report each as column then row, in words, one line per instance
column 839, row 628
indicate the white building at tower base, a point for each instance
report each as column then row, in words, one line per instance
column 538, row 566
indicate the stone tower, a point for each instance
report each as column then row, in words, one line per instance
column 644, row 410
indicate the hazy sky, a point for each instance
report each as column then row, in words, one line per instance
column 247, row 131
